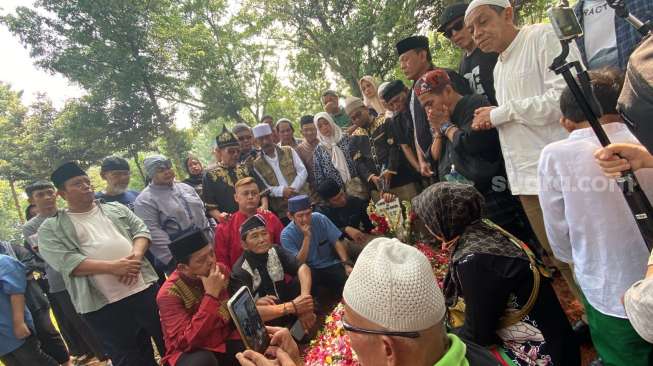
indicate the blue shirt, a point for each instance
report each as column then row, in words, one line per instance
column 126, row 198
column 12, row 282
column 324, row 235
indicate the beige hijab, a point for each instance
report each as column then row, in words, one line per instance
column 375, row 101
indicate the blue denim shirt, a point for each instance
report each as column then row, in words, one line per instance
column 627, row 36
column 12, row 282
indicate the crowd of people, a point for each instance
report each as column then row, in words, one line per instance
column 497, row 160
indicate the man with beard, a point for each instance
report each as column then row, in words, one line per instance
column 280, row 169
column 115, row 171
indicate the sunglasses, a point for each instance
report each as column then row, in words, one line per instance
column 350, row 328
column 457, row 26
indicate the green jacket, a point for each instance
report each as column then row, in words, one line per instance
column 59, row 246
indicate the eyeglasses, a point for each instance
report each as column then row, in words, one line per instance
column 457, row 26
column 350, row 328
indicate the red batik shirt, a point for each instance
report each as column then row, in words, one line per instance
column 192, row 320
column 228, row 247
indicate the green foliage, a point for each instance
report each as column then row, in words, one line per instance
column 354, row 38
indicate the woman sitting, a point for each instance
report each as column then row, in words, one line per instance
column 332, row 159
column 494, row 284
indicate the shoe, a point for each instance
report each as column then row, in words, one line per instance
column 597, row 362
column 582, row 332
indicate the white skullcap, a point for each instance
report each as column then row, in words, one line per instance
column 393, row 285
column 638, row 302
column 476, row 3
column 261, row 129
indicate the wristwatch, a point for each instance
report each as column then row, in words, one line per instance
column 444, row 127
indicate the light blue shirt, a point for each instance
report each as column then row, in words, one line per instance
column 12, row 282
column 324, row 235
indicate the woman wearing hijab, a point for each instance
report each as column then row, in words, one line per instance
column 332, row 159
column 370, row 95
column 193, row 167
column 496, row 291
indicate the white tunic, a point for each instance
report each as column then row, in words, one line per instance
column 527, row 118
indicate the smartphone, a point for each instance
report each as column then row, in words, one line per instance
column 565, row 23
column 248, row 321
column 297, row 331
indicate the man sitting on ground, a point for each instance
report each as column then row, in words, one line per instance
column 193, row 307
column 348, row 213
column 228, row 246
column 279, row 283
column 312, row 238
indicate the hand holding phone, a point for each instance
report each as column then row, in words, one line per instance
column 248, row 321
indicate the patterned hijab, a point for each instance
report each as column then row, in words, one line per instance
column 447, row 209
column 453, row 212
column 330, row 143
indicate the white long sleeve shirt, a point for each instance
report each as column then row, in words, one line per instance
column 588, row 221
column 297, row 183
column 528, row 94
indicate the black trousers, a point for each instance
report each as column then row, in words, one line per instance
column 208, row 358
column 29, row 354
column 49, row 337
column 126, row 327
column 333, row 278
column 80, row 338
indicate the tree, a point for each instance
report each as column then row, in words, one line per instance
column 107, row 47
column 354, row 38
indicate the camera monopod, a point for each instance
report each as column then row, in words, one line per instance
column 567, row 28
column 619, row 6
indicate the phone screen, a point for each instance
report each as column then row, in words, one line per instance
column 248, row 321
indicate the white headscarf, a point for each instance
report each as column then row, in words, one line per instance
column 330, row 144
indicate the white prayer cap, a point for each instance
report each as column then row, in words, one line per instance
column 638, row 302
column 261, row 129
column 476, row 3
column 393, row 285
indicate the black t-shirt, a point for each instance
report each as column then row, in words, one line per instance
column 478, row 68
column 354, row 214
column 475, row 154
column 420, row 120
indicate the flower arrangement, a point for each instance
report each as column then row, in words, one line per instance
column 392, row 219
column 332, row 346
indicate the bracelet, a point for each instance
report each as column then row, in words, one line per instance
column 285, row 312
column 294, row 306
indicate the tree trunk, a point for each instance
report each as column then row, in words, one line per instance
column 12, row 184
column 134, row 155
